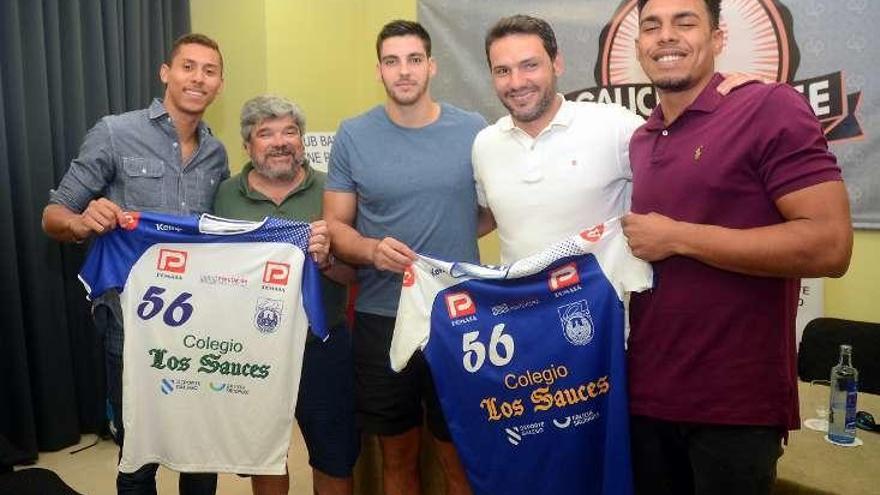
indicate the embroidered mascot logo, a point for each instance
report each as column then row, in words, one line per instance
column 577, row 323
column 267, row 315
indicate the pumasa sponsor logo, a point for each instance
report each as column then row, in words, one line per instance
column 461, row 308
column 172, row 261
column 276, row 273
column 564, row 276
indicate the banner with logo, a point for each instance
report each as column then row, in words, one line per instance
column 822, row 48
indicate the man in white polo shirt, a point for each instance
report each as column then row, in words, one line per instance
column 552, row 166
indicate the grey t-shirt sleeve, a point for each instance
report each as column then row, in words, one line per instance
column 482, row 123
column 339, row 176
column 89, row 173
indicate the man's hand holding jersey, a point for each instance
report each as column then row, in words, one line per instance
column 100, row 216
column 392, row 255
column 319, row 243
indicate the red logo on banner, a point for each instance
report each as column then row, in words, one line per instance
column 171, row 260
column 276, row 273
column 594, row 234
column 564, row 276
column 409, row 277
column 459, row 305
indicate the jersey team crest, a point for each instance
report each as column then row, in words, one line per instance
column 577, row 322
column 268, row 314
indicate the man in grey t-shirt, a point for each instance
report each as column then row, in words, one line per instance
column 400, row 181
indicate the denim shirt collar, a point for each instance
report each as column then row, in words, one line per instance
column 157, row 111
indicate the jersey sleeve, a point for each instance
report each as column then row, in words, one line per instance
column 312, row 300
column 625, row 272
column 413, row 324
column 108, row 262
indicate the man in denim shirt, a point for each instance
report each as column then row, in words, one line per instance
column 162, row 159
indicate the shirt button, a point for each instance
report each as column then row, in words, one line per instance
column 175, row 143
column 665, row 132
column 143, row 170
column 183, row 203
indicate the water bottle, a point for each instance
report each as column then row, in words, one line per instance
column 844, row 390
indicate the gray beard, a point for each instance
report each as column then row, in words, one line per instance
column 278, row 175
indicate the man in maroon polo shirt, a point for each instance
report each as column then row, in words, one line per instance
column 734, row 199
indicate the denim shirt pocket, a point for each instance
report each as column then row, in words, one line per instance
column 200, row 188
column 143, row 183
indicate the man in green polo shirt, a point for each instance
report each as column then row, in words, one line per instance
column 279, row 182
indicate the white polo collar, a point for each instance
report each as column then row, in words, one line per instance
column 564, row 117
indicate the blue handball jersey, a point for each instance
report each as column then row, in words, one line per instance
column 528, row 362
column 215, row 315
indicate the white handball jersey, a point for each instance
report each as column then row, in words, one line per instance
column 528, row 362
column 215, row 314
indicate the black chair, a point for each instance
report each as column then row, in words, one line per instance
column 34, row 481
column 820, row 350
column 31, row 481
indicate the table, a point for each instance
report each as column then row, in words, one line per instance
column 812, row 466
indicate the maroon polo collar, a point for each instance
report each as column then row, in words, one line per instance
column 706, row 102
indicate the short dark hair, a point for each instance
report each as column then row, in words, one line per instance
column 194, row 39
column 712, row 6
column 400, row 27
column 523, row 24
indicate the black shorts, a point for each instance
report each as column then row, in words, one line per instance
column 325, row 405
column 390, row 403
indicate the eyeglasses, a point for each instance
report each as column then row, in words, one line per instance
column 865, row 421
